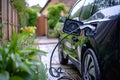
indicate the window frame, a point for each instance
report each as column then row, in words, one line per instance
column 73, row 9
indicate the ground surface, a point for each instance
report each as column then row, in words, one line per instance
column 48, row 46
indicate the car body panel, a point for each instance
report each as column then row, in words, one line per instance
column 105, row 40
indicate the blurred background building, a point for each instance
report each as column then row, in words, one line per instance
column 42, row 26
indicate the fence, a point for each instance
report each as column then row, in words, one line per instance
column 9, row 17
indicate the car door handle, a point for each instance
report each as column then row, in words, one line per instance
column 75, row 39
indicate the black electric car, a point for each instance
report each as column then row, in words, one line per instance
column 93, row 39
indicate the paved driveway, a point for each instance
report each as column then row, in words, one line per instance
column 48, row 45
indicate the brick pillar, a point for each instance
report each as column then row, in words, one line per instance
column 41, row 25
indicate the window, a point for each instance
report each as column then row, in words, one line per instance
column 75, row 12
column 101, row 4
column 87, row 9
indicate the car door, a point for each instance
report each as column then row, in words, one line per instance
column 68, row 42
column 107, row 38
column 85, row 11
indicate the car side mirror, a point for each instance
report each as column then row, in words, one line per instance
column 62, row 19
column 72, row 27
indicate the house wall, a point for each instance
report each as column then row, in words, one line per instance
column 54, row 1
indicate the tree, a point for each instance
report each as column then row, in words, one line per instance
column 23, row 18
column 27, row 16
column 36, row 7
column 20, row 5
column 54, row 13
column 32, row 17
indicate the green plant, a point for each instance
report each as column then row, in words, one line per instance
column 32, row 17
column 28, row 39
column 27, row 15
column 16, row 63
column 23, row 18
column 57, row 29
column 36, row 7
column 1, row 26
column 54, row 13
column 20, row 5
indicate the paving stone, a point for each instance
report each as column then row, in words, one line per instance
column 48, row 46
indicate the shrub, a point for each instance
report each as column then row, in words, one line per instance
column 57, row 29
column 1, row 26
column 32, row 17
column 16, row 62
column 54, row 13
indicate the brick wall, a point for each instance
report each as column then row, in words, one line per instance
column 41, row 26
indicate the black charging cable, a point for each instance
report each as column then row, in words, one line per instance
column 58, row 70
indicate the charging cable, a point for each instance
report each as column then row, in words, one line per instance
column 55, row 72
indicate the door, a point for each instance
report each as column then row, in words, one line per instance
column 80, row 12
column 69, row 46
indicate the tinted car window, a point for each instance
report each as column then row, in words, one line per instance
column 75, row 12
column 101, row 4
column 87, row 9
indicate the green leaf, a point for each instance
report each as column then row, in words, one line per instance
column 4, row 75
column 25, row 75
column 16, row 78
column 13, row 44
column 16, row 60
column 36, row 51
column 33, row 62
column 26, row 68
column 42, row 71
column 39, row 68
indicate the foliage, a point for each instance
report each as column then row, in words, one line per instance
column 36, row 7
column 1, row 25
column 27, row 16
column 54, row 13
column 32, row 17
column 57, row 29
column 30, row 29
column 20, row 5
column 16, row 63
column 27, row 40
column 23, row 18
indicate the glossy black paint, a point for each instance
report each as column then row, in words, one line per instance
column 104, row 40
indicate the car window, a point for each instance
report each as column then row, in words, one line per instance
column 87, row 9
column 101, row 4
column 75, row 12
